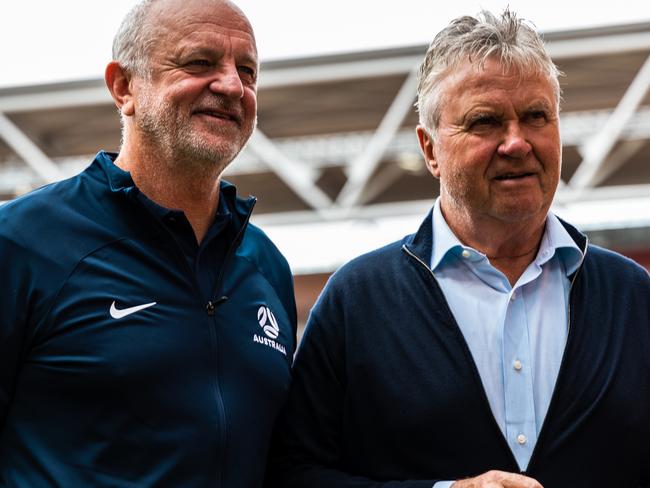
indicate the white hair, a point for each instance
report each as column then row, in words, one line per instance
column 134, row 39
column 512, row 41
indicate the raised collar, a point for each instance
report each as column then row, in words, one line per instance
column 120, row 181
column 421, row 243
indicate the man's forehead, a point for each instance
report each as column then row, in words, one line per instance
column 493, row 73
column 174, row 14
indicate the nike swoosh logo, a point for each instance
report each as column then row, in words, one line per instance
column 119, row 314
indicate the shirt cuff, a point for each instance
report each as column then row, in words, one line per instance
column 443, row 484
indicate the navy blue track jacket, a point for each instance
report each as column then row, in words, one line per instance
column 114, row 369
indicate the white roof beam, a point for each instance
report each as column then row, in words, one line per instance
column 577, row 127
column 602, row 193
column 381, row 181
column 563, row 198
column 365, row 164
column 599, row 45
column 300, row 177
column 328, row 71
column 343, row 70
column 617, row 158
column 335, row 150
column 596, row 149
column 332, row 150
column 30, row 153
column 73, row 97
column 338, row 71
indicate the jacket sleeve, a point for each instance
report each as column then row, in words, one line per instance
column 13, row 318
column 309, row 437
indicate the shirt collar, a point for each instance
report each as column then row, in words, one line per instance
column 556, row 240
column 120, row 180
column 444, row 240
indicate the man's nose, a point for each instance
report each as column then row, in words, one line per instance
column 514, row 143
column 226, row 82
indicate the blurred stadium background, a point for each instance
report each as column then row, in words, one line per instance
column 335, row 162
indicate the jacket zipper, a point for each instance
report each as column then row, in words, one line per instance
column 210, row 310
column 477, row 376
column 215, row 302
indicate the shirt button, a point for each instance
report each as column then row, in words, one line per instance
column 465, row 253
column 513, row 297
column 521, row 439
column 517, row 365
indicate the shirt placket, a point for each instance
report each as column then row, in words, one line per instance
column 521, row 431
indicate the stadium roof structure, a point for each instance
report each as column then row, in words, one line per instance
column 335, row 161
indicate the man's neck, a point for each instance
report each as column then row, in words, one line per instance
column 510, row 246
column 176, row 186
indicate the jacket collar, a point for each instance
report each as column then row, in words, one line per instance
column 120, row 181
column 421, row 243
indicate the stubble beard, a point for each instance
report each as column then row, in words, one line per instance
column 466, row 203
column 170, row 134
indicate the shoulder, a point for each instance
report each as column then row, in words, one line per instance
column 267, row 259
column 370, row 277
column 370, row 265
column 25, row 215
column 46, row 232
column 615, row 265
column 259, row 248
column 34, row 244
column 609, row 274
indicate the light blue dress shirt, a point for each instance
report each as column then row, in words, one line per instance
column 516, row 334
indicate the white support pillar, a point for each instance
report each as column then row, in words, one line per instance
column 300, row 177
column 596, row 149
column 29, row 152
column 365, row 164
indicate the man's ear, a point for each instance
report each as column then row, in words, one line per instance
column 118, row 82
column 427, row 146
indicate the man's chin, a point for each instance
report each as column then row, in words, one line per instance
column 520, row 213
column 205, row 156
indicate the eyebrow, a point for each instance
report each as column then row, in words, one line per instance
column 541, row 104
column 211, row 52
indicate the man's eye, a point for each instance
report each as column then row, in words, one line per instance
column 199, row 62
column 536, row 117
column 247, row 71
column 483, row 122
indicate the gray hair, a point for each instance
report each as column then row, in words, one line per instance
column 134, row 39
column 513, row 41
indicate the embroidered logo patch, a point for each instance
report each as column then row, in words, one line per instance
column 267, row 322
column 269, row 325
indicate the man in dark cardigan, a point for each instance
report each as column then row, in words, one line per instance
column 494, row 347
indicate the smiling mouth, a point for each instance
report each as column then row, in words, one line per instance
column 513, row 176
column 219, row 115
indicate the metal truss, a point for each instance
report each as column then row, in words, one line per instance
column 595, row 166
column 301, row 160
column 606, row 140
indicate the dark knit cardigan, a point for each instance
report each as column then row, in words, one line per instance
column 386, row 393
